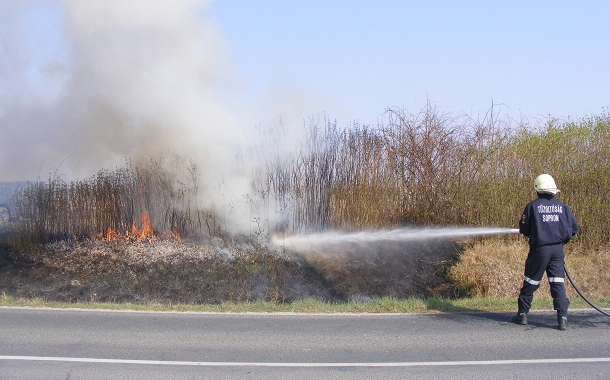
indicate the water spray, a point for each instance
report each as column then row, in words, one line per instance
column 401, row 235
column 394, row 235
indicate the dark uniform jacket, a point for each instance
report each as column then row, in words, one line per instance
column 547, row 221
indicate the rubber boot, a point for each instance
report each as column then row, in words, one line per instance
column 520, row 318
column 562, row 322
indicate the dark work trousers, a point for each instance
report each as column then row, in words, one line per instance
column 549, row 259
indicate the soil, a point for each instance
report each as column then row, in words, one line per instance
column 216, row 270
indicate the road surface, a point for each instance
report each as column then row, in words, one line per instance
column 77, row 344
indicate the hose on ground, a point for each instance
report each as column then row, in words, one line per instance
column 582, row 295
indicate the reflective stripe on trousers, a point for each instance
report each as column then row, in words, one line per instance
column 551, row 279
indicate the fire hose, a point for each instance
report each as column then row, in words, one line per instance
column 582, row 295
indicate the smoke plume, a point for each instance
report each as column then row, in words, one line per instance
column 86, row 84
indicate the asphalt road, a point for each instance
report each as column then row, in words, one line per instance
column 74, row 344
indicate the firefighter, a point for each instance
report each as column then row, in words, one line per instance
column 549, row 224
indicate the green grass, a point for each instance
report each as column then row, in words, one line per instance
column 310, row 306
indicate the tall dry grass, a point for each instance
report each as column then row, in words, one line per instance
column 161, row 195
column 426, row 168
column 494, row 268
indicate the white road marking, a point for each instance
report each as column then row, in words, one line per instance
column 269, row 364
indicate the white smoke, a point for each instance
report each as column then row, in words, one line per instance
column 86, row 84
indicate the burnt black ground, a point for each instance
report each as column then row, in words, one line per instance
column 216, row 270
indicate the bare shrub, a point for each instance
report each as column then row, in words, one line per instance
column 426, row 168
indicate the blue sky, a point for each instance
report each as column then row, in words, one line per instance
column 353, row 59
column 84, row 84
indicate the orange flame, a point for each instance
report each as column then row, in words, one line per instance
column 109, row 235
column 144, row 233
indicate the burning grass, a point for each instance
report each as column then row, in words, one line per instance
column 216, row 270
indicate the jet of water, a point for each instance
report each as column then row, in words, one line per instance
column 399, row 234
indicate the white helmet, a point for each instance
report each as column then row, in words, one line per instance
column 544, row 183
